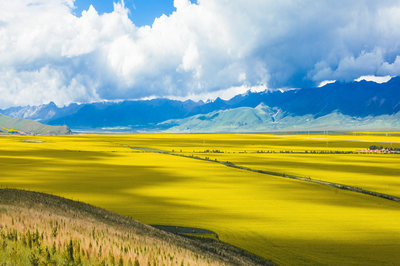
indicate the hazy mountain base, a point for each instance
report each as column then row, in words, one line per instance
column 26, row 126
column 266, row 119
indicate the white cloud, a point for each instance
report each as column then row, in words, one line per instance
column 366, row 64
column 223, row 94
column 325, row 82
column 47, row 53
column 43, row 85
column 377, row 79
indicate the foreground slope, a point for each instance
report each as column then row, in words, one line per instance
column 36, row 227
column 26, row 126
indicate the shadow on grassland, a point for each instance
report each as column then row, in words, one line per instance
column 381, row 250
column 64, row 154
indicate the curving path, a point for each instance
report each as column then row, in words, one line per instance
column 320, row 182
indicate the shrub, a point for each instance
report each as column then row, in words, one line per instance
column 34, row 259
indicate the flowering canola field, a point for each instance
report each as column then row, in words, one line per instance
column 288, row 221
column 335, row 158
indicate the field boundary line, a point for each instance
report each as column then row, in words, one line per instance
column 305, row 179
column 323, row 139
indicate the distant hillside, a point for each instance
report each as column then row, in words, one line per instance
column 25, row 126
column 355, row 99
column 266, row 119
column 40, row 229
column 40, row 113
column 137, row 114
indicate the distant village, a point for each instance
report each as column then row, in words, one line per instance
column 380, row 149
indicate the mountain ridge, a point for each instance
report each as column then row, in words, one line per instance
column 266, row 119
column 356, row 99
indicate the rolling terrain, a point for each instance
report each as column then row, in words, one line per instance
column 29, row 127
column 291, row 222
column 265, row 119
column 40, row 229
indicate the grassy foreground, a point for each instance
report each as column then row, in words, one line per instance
column 288, row 221
column 40, row 229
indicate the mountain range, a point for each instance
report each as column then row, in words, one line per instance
column 266, row 119
column 361, row 104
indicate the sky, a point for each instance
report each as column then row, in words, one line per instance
column 141, row 12
column 89, row 50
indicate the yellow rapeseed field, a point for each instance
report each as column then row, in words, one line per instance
column 291, row 222
column 334, row 158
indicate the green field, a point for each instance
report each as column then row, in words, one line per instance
column 288, row 221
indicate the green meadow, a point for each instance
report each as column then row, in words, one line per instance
column 288, row 221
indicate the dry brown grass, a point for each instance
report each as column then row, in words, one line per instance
column 97, row 236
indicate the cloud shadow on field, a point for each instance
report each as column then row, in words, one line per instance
column 82, row 176
column 379, row 250
column 63, row 155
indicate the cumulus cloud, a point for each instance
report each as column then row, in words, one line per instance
column 366, row 64
column 43, row 85
column 49, row 54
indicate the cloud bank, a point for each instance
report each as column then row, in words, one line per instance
column 49, row 54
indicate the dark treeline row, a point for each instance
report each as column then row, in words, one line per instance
column 380, row 148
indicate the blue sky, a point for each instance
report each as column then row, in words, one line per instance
column 63, row 51
column 142, row 12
